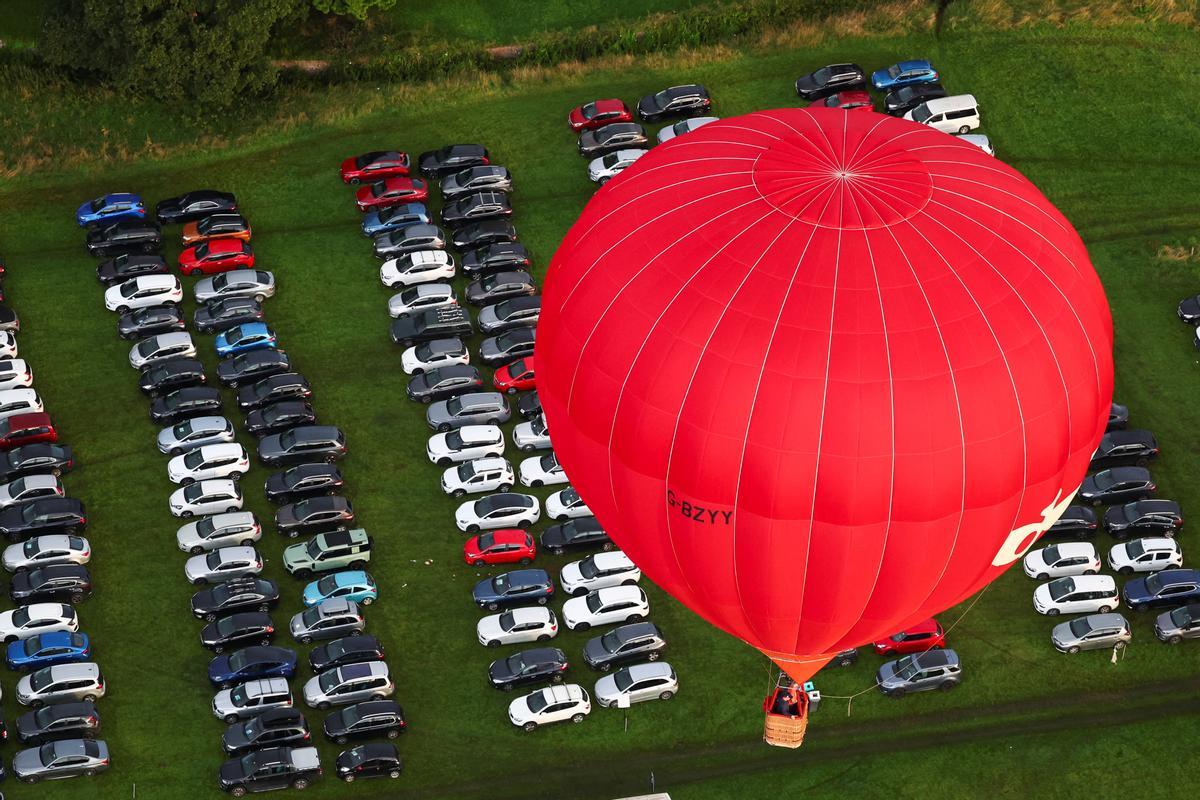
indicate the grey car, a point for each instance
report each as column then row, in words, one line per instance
column 1093, row 632
column 302, row 444
column 490, row 178
column 328, row 619
column 61, row 683
column 409, row 239
column 251, row 699
column 349, row 684
column 62, row 759
column 920, row 672
column 515, row 312
column 195, row 432
column 1178, row 624
column 637, row 683
column 256, row 283
column 476, row 408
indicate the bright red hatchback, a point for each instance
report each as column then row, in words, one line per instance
column 506, row 546
column 597, row 113
column 21, row 429
column 923, row 636
column 515, row 377
column 375, row 165
column 849, row 100
column 391, row 192
column 217, row 255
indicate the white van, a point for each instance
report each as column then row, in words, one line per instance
column 957, row 114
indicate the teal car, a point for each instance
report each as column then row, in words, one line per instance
column 351, row 584
column 244, row 338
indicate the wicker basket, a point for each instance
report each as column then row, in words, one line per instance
column 784, row 730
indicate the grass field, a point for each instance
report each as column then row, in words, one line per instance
column 1120, row 169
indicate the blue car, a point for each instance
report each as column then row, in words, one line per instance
column 111, row 208
column 352, row 584
column 906, row 73
column 244, row 338
column 519, row 587
column 394, row 218
column 251, row 663
column 48, row 649
column 1171, row 587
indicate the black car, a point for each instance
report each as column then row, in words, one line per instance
column 610, row 138
column 478, row 234
column 238, row 630
column 174, row 373
column 507, row 256
column 185, row 403
column 409, row 239
column 1077, row 521
column 321, row 514
column 529, row 405
column 374, row 760
column 575, row 534
column 273, row 768
column 193, row 206
column 126, row 266
column 215, row 226
column 514, row 588
column 516, row 312
column 150, row 321
column 1153, row 517
column 277, row 416
column 637, row 641
column 357, row 649
column 528, row 666
column 219, row 315
column 55, row 583
column 44, row 515
column 1118, row 417
column 1117, row 485
column 433, row 323
column 510, row 345
column 1123, row 447
column 474, row 207
column 831, row 80
column 452, row 158
column 252, row 366
column 499, row 286
column 368, row 719
column 36, row 459
column 444, row 382
column 491, row 178
column 899, row 102
column 127, row 236
column 302, row 443
column 59, row 721
column 690, row 100
column 303, row 480
column 1189, row 310
column 275, row 727
column 272, row 389
column 240, row 594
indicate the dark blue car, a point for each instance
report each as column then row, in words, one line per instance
column 519, row 587
column 1171, row 587
column 111, row 208
column 251, row 663
column 48, row 649
column 394, row 218
column 906, row 73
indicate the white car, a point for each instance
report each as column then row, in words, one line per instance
column 598, row 571
column 31, row 487
column 567, row 701
column 532, row 435
column 421, row 297
column 1062, row 560
column 516, row 626
column 1149, row 554
column 604, row 169
column 41, row 551
column 206, row 497
column 434, row 354
column 15, row 373
column 26, row 621
column 637, row 684
column 566, row 504
column 1081, row 594
column 177, row 344
column 195, row 432
column 683, row 126
column 465, row 444
column 255, row 283
column 479, row 475
column 220, row 530
column 606, row 606
column 423, row 266
column 143, row 291
column 979, row 140
column 503, row 510
column 222, row 564
column 541, row 471
column 226, row 460
column 19, row 401
column 8, row 344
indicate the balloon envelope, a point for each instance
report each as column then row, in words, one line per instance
column 822, row 374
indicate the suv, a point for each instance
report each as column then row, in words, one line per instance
column 936, row 669
column 352, row 683
column 328, row 551
column 633, row 642
column 251, row 699
column 304, row 443
column 274, row 768
column 279, row 726
column 435, row 323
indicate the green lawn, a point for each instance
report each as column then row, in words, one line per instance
column 1118, row 160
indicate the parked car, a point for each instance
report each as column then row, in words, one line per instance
column 903, row 99
column 59, row 721
column 125, row 236
column 374, row 165
column 1178, row 624
column 532, row 435
column 848, row 100
column 279, row 416
column 352, row 683
column 1125, row 447
column 171, row 374
column 244, row 338
column 347, row 650
column 251, row 663
column 529, row 405
column 374, row 760
column 479, row 475
column 223, row 564
column 216, row 255
column 420, row 297
column 392, row 218
column 905, row 73
column 328, row 551
column 501, row 510
column 554, row 704
column 1093, row 632
column 481, row 234
column 598, row 113
column 213, row 461
column 228, row 312
column 37, row 618
column 444, row 383
column 541, row 470
column 409, row 239
column 63, row 758
column 452, row 158
column 130, row 265
column 507, row 346
column 1189, row 310
column 1081, row 594
column 251, row 699
column 64, row 583
column 465, row 444
column 354, row 585
column 625, row 643
column 235, row 630
column 1077, row 521
column 23, row 429
column 830, row 80
column 684, row 126
column 566, row 504
column 513, row 588
column 921, row 672
column 219, row 530
column 110, row 208
column 1168, row 587
column 435, row 323
column 598, row 571
column 390, row 192
column 1148, row 554
column 314, row 515
column 303, row 480
column 637, row 684
column 47, row 650
column 305, row 443
column 194, row 432
column 151, row 321
column 9, row 321
column 1117, row 485
column 38, row 551
column 956, row 114
column 142, row 292
column 62, row 683
column 575, row 534
column 500, row 286
column 517, row 312
column 617, row 136
column 206, row 497
column 277, row 727
column 490, row 178
column 1161, row 517
column 1118, row 417
column 474, row 408
column 256, row 284
column 272, row 389
column 36, row 459
column 272, row 768
column 500, row 547
column 604, row 169
column 918, row 638
column 516, row 626
column 216, row 226
column 328, row 619
column 252, row 366
column 977, row 140
column 239, row 594
column 41, row 516
column 498, row 257
column 193, row 206
column 159, row 348
column 1061, row 561
column 605, row 607
column 365, row 719
column 474, row 207
column 8, row 344
column 689, row 100
column 412, row 269
column 182, row 404
column 29, row 488
column 528, row 666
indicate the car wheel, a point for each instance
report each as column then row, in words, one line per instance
column 232, row 508
column 444, row 462
column 323, row 705
column 306, row 639
column 667, row 695
column 1104, row 609
column 493, row 606
column 478, row 563
column 443, row 428
column 608, row 547
column 583, row 626
column 511, row 390
column 578, row 718
column 1119, row 646
column 426, row 399
column 504, row 487
column 122, row 309
column 896, row 694
column 300, row 783
column 493, row 643
column 32, row 779
column 535, row 483
column 525, row 562
column 526, row 447
column 946, row 686
column 292, row 534
column 545, row 637
column 366, row 601
column 195, row 272
column 77, row 597
column 304, row 574
column 187, row 481
column 457, row 493
column 524, row 524
column 177, row 451
column 230, row 719
column 530, row 727
column 349, row 777
column 199, row 581
column 185, row 514
column 1176, row 639
column 543, row 600
column 635, row 617
column 603, row 180
column 394, row 773
column 1125, row 570
column 1041, row 576
column 36, row 703
column 1091, row 572
column 358, row 564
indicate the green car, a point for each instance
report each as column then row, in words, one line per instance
column 328, row 551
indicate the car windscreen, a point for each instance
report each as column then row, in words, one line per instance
column 454, row 406
column 129, row 288
column 1135, row 549
column 922, row 112
column 1154, row 584
column 466, row 472
column 97, row 204
column 589, row 111
column 1061, row 588
column 193, row 459
column 507, row 621
column 594, row 603
column 623, row 680
column 1181, row 617
column 1050, row 554
column 41, row 679
column 907, row 667
column 822, row 76
column 587, row 568
column 1080, row 627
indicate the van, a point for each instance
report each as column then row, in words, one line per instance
column 956, row 114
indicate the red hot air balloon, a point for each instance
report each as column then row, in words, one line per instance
column 822, row 375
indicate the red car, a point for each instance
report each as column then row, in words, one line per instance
column 507, row 546
column 218, row 255
column 22, row 429
column 927, row 635
column 515, row 377
column 391, row 192
column 849, row 100
column 597, row 113
column 375, row 165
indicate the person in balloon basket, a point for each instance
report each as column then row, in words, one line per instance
column 787, row 703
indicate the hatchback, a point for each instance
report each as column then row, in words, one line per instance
column 1093, row 632
column 1062, row 560
column 328, row 619
column 276, row 727
column 1178, row 624
column 62, row 683
column 1149, row 554
column 349, row 684
column 206, row 497
column 922, row 672
column 366, row 719
column 374, row 760
column 1082, row 594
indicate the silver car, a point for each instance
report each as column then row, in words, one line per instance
column 194, row 432
column 31, row 487
column 42, row 551
column 327, row 620
column 1178, row 624
column 65, row 758
column 920, row 672
column 349, row 684
column 490, row 178
column 220, row 530
column 637, row 684
column 1093, row 632
column 475, row 408
column 153, row 349
column 222, row 564
column 255, row 283
column 251, row 699
column 61, row 683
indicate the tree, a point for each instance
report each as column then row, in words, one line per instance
column 352, row 8
column 209, row 52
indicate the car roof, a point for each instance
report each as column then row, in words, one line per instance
column 937, row 105
column 1128, row 473
column 86, row 669
column 528, row 576
column 155, row 281
column 636, row 630
column 344, row 537
column 490, row 462
column 266, row 686
column 480, row 434
column 1156, row 506
column 350, row 577
column 936, row 658
column 653, row 669
column 613, row 594
column 1106, row 620
column 915, row 63
column 531, row 613
column 337, row 605
column 363, row 669
column 924, row 626
column 1173, row 576
column 1074, row 548
column 1130, row 435
column 1155, row 543
column 564, row 692
column 1096, row 582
